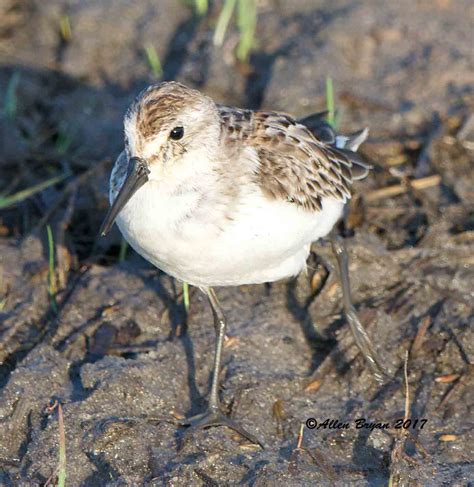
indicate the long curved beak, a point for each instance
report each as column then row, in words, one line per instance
column 137, row 176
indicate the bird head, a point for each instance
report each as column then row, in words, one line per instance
column 167, row 125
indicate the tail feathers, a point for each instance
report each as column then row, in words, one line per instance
column 318, row 126
column 346, row 145
column 359, row 169
column 352, row 142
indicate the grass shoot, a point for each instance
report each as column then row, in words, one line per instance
column 52, row 288
column 153, row 60
column 330, row 102
column 201, row 7
column 186, row 296
column 65, row 28
column 63, row 142
column 62, row 448
column 247, row 24
column 20, row 196
column 10, row 106
column 223, row 21
column 123, row 250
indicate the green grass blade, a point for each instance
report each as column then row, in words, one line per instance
column 153, row 60
column 123, row 250
column 186, row 296
column 24, row 194
column 247, row 24
column 65, row 28
column 11, row 103
column 51, row 271
column 62, row 449
column 223, row 21
column 201, row 7
column 330, row 102
column 64, row 139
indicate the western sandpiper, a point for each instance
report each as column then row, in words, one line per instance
column 220, row 196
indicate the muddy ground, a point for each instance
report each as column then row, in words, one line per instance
column 106, row 336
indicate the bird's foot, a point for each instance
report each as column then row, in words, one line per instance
column 214, row 417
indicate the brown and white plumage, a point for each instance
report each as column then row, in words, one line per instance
column 240, row 197
column 219, row 196
column 294, row 164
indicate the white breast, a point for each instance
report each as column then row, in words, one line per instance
column 188, row 234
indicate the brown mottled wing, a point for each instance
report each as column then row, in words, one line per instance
column 294, row 164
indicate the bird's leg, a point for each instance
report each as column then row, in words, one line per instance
column 360, row 335
column 213, row 416
column 220, row 326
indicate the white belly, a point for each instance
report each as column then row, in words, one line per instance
column 189, row 237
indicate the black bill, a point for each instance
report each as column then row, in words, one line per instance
column 137, row 176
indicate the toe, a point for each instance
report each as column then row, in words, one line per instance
column 215, row 418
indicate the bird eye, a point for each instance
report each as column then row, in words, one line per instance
column 177, row 133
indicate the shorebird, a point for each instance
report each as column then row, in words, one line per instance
column 220, row 196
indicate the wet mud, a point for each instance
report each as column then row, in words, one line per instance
column 106, row 336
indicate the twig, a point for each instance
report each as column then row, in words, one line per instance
column 397, row 450
column 456, row 386
column 300, row 437
column 420, row 335
column 407, row 388
column 398, row 189
column 446, row 379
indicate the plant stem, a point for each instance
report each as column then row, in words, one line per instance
column 62, row 449
column 51, row 273
column 186, row 296
column 123, row 250
column 223, row 22
column 22, row 195
column 330, row 101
